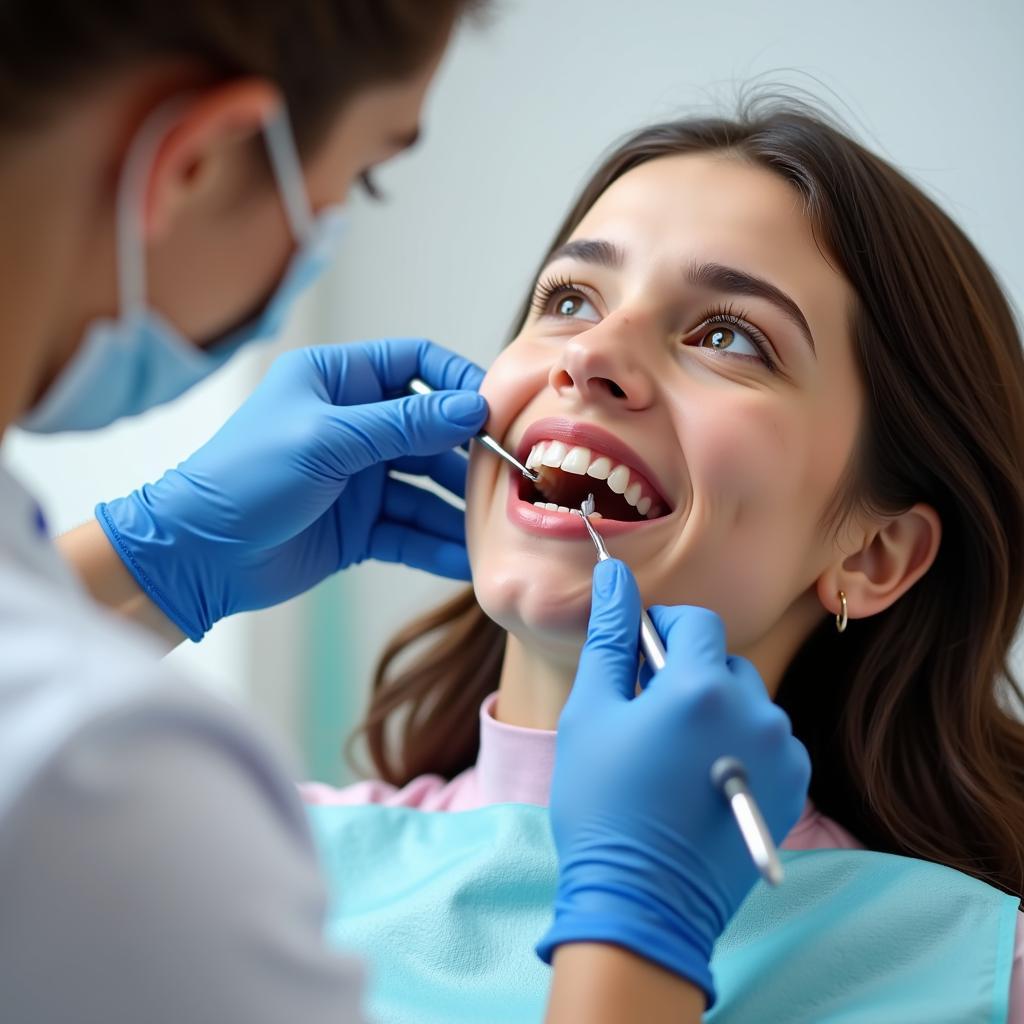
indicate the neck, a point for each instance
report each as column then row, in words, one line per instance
column 535, row 681
column 534, row 685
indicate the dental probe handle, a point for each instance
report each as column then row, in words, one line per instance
column 421, row 387
column 730, row 777
column 650, row 643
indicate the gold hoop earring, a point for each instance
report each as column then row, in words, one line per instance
column 841, row 617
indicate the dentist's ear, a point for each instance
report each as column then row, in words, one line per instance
column 205, row 148
column 896, row 552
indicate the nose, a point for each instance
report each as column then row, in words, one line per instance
column 598, row 367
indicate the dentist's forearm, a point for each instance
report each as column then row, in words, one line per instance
column 89, row 553
column 603, row 984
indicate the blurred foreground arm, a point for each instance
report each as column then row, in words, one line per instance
column 603, row 984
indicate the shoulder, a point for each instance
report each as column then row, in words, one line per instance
column 63, row 662
column 162, row 861
column 424, row 793
column 816, row 831
column 70, row 673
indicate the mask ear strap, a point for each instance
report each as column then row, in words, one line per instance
column 287, row 168
column 131, row 194
column 130, row 206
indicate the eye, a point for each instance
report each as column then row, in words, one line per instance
column 572, row 304
column 564, row 299
column 733, row 335
column 729, row 338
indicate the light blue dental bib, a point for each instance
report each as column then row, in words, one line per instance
column 446, row 908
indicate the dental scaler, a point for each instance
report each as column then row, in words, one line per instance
column 650, row 642
column 421, row 387
column 728, row 775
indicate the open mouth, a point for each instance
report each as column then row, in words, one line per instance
column 568, row 473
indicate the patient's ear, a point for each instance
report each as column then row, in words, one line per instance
column 895, row 553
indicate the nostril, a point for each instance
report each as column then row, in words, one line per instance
column 563, row 380
column 613, row 388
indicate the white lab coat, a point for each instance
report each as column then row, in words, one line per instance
column 155, row 864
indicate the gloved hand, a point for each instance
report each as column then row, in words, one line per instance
column 650, row 857
column 295, row 485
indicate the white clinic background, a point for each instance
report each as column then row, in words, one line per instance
column 520, row 112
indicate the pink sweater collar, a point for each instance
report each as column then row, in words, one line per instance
column 515, row 766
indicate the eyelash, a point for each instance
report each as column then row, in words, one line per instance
column 550, row 287
column 737, row 318
column 371, row 188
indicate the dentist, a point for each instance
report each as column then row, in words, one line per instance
column 171, row 177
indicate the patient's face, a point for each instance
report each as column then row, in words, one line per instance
column 656, row 373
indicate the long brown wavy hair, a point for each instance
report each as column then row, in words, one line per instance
column 910, row 716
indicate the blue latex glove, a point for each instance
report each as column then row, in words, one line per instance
column 650, row 857
column 295, row 485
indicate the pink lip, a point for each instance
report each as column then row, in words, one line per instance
column 564, row 525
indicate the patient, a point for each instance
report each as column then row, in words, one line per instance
column 796, row 392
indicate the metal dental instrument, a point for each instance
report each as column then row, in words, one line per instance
column 730, row 778
column 421, row 387
column 650, row 642
column 728, row 775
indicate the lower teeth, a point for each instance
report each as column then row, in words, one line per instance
column 550, row 506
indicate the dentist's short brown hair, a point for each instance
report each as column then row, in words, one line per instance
column 318, row 52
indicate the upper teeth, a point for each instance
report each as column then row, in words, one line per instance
column 583, row 462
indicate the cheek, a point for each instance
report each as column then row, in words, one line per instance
column 479, row 484
column 743, row 450
column 751, row 530
column 513, row 379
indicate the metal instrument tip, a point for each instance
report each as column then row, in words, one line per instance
column 585, row 511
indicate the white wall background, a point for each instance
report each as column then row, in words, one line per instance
column 521, row 111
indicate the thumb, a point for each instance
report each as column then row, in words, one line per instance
column 414, row 425
column 608, row 662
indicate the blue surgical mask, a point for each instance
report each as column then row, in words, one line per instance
column 137, row 360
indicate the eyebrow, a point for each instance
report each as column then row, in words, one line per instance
column 738, row 282
column 590, row 250
column 715, row 276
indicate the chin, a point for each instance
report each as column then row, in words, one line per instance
column 531, row 598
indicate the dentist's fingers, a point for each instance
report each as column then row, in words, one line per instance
column 356, row 372
column 409, row 505
column 608, row 662
column 447, row 469
column 397, row 360
column 395, row 542
column 694, row 637
column 365, row 435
